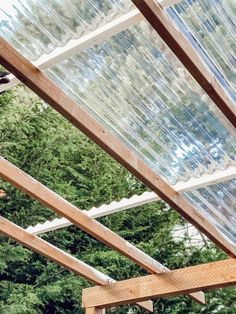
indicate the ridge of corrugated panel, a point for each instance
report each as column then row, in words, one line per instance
column 210, row 26
column 135, row 86
column 218, row 203
column 39, row 26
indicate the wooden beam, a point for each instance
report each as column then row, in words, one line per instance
column 49, row 92
column 186, row 280
column 56, row 255
column 156, row 16
column 137, row 200
column 45, row 196
column 46, row 249
column 50, row 199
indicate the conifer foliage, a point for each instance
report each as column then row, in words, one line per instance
column 46, row 146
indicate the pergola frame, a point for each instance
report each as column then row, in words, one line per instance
column 48, row 91
column 66, row 260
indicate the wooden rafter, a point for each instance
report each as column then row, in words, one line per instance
column 156, row 16
column 53, row 253
column 48, row 91
column 53, row 201
column 181, row 281
column 48, row 250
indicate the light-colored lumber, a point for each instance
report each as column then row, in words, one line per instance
column 158, row 18
column 90, row 310
column 138, row 200
column 48, row 91
column 185, row 280
column 110, row 29
column 50, row 199
column 58, row 256
column 93, row 310
column 48, row 250
column 45, row 196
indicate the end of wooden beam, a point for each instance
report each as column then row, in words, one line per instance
column 199, row 297
column 146, row 305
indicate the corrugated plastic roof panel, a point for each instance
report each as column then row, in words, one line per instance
column 218, row 203
column 37, row 27
column 135, row 86
column 210, row 26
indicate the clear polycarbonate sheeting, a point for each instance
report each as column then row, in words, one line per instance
column 218, row 203
column 135, row 86
column 37, row 27
column 210, row 26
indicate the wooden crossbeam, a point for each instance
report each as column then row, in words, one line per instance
column 185, row 280
column 156, row 16
column 58, row 256
column 48, row 91
column 45, row 196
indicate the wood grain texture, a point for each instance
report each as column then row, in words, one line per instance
column 45, row 196
column 46, row 249
column 186, row 280
column 156, row 16
column 48, row 91
column 56, row 255
column 50, row 199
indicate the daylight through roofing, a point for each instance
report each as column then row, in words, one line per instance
column 135, row 86
column 210, row 26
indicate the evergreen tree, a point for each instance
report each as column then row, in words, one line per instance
column 46, row 146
